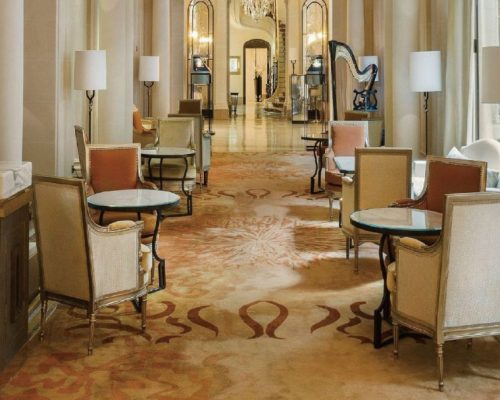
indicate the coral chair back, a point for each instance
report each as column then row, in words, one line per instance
column 345, row 136
column 447, row 175
column 113, row 167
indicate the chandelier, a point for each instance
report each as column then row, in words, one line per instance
column 257, row 9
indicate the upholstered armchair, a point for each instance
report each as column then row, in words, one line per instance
column 202, row 139
column 446, row 176
column 118, row 167
column 145, row 136
column 344, row 137
column 82, row 264
column 175, row 132
column 382, row 175
column 451, row 289
column 82, row 141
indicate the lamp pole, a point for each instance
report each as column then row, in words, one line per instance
column 90, row 96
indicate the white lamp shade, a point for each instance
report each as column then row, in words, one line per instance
column 365, row 61
column 149, row 69
column 90, row 70
column 425, row 71
column 490, row 79
column 293, row 54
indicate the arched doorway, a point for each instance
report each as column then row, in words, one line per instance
column 256, row 70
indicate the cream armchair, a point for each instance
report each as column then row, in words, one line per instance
column 382, row 175
column 175, row 132
column 202, row 145
column 451, row 290
column 82, row 264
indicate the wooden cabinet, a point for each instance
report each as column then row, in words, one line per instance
column 14, row 226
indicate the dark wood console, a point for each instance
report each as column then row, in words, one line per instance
column 14, row 295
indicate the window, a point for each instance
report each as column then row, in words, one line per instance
column 487, row 34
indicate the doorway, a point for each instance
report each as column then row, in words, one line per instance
column 256, row 58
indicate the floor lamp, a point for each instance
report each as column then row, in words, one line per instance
column 149, row 73
column 490, row 81
column 90, row 75
column 425, row 77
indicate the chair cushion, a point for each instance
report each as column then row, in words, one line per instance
column 113, row 169
column 112, row 217
column 345, row 138
column 391, row 277
column 146, row 262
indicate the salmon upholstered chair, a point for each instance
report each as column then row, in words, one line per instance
column 382, row 175
column 445, row 176
column 344, row 137
column 118, row 167
column 144, row 136
column 451, row 289
column 98, row 266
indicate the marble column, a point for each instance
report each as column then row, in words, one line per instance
column 221, row 59
column 11, row 76
column 116, row 36
column 160, row 46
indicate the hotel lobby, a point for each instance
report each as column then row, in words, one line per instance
column 250, row 199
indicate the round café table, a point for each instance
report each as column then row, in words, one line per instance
column 163, row 153
column 317, row 150
column 139, row 201
column 393, row 221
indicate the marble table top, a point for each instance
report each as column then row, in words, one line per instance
column 132, row 199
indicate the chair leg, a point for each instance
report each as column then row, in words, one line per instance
column 144, row 303
column 43, row 317
column 440, row 361
column 91, row 333
column 347, row 247
column 330, row 207
column 395, row 337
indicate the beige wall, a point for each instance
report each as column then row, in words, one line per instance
column 53, row 30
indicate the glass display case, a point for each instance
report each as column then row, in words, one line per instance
column 314, row 52
column 299, row 98
column 200, row 54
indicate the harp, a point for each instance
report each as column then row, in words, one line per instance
column 363, row 99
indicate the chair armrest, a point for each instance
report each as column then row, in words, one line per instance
column 408, row 203
column 142, row 184
column 417, row 280
column 114, row 256
column 347, row 203
column 347, row 181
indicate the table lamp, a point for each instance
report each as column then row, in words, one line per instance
column 149, row 73
column 425, row 77
column 90, row 75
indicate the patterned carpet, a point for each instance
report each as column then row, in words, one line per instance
column 260, row 304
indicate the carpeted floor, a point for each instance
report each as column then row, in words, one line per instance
column 260, row 304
